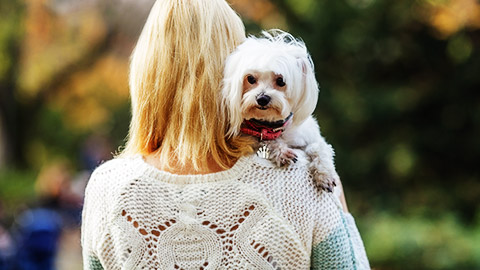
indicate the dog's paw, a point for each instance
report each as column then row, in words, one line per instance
column 327, row 181
column 283, row 156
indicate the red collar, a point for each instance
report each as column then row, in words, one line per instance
column 264, row 130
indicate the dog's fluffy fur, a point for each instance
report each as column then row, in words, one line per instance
column 279, row 67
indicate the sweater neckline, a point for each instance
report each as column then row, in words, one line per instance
column 238, row 169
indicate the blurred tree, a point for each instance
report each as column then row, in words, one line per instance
column 23, row 94
column 47, row 48
column 11, row 13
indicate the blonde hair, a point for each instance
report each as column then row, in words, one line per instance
column 175, row 84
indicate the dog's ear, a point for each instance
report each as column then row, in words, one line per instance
column 232, row 91
column 308, row 97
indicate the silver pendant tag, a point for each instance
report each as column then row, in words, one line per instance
column 263, row 151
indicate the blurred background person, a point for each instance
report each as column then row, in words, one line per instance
column 39, row 228
column 38, row 233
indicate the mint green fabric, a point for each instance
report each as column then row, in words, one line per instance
column 336, row 251
column 94, row 264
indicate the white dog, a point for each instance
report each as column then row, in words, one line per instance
column 270, row 92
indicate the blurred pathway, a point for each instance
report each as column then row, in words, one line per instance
column 69, row 255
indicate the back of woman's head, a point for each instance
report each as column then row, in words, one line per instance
column 175, row 75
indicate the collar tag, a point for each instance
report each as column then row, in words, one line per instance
column 263, row 151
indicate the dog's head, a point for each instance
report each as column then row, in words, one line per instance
column 267, row 78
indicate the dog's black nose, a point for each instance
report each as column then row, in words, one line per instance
column 263, row 100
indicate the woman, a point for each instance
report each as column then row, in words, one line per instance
column 182, row 195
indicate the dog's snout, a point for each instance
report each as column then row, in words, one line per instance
column 263, row 100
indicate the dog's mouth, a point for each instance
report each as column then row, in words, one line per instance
column 271, row 124
column 263, row 108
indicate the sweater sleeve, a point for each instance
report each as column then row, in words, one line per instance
column 336, row 241
column 93, row 220
column 357, row 243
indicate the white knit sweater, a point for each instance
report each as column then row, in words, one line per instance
column 252, row 216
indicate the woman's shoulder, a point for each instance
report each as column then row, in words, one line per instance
column 113, row 173
column 295, row 177
column 116, row 165
column 301, row 163
column 294, row 194
column 298, row 170
column 292, row 182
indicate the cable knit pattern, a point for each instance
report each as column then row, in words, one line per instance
column 252, row 216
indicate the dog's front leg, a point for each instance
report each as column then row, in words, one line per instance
column 322, row 166
column 280, row 152
column 307, row 136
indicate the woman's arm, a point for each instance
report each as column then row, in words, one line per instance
column 337, row 243
column 95, row 210
column 92, row 263
column 341, row 196
column 90, row 221
column 357, row 242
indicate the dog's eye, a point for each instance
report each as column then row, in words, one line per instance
column 280, row 82
column 251, row 79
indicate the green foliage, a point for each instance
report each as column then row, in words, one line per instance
column 10, row 23
column 417, row 242
column 52, row 140
column 16, row 190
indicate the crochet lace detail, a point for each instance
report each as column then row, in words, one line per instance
column 252, row 216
